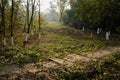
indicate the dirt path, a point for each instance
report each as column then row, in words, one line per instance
column 41, row 70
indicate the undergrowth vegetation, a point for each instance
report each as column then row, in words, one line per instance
column 59, row 40
column 14, row 55
column 107, row 69
column 56, row 41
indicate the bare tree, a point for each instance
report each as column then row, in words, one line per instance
column 11, row 23
column 29, row 17
column 23, row 10
column 61, row 4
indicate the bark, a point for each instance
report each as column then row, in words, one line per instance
column 83, row 29
column 107, row 35
column 11, row 26
column 26, row 37
column 12, row 41
column 29, row 19
column 31, row 29
column 28, row 16
column 24, row 26
column 98, row 30
column 39, row 35
column 5, row 43
column 91, row 35
column 3, row 21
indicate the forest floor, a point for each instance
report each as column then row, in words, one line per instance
column 61, row 48
column 48, row 70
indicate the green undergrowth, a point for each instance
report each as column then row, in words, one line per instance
column 63, row 47
column 56, row 41
column 20, row 56
column 57, row 49
column 107, row 69
column 62, row 40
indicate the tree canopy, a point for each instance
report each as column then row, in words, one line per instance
column 94, row 13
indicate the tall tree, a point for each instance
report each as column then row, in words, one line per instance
column 97, row 13
column 39, row 21
column 2, row 7
column 17, row 12
column 30, row 4
column 61, row 4
column 11, row 23
column 0, row 15
column 23, row 10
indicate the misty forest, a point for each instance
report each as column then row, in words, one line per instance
column 69, row 40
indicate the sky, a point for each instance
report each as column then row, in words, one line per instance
column 45, row 4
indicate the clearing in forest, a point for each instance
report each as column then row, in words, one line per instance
column 59, row 47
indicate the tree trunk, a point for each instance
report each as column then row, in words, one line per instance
column 61, row 16
column 83, row 29
column 3, row 21
column 91, row 35
column 39, row 35
column 98, row 30
column 11, row 26
column 29, row 20
column 31, row 29
column 107, row 35
column 27, row 33
column 24, row 26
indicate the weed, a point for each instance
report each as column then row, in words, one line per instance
column 107, row 69
column 15, row 55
